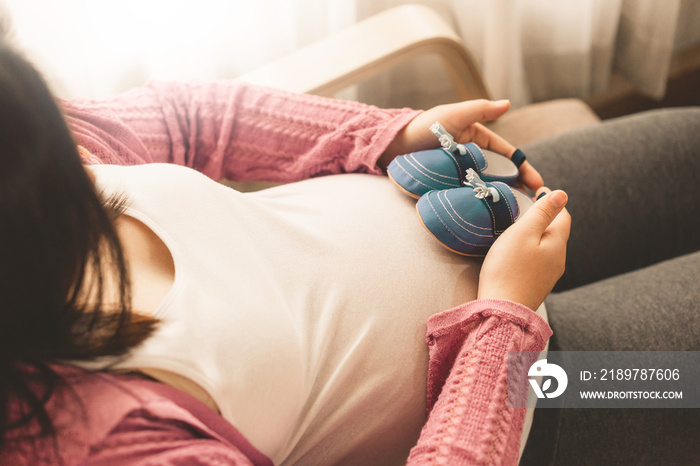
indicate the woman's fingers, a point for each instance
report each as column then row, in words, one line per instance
column 560, row 228
column 540, row 192
column 475, row 111
column 530, row 177
column 487, row 139
column 463, row 121
column 552, row 222
column 543, row 213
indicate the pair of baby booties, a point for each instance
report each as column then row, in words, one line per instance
column 466, row 197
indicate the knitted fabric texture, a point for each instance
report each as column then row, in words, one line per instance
column 469, row 419
column 235, row 131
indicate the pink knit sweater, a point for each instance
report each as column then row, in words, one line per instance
column 241, row 132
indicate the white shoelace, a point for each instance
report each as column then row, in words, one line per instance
column 446, row 139
column 480, row 189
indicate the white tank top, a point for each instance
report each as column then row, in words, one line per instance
column 301, row 309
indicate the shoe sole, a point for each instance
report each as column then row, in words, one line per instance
column 405, row 191
column 441, row 243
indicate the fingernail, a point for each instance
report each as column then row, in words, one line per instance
column 542, row 194
column 518, row 157
column 502, row 101
column 559, row 198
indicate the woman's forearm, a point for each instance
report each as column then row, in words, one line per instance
column 470, row 421
column 237, row 131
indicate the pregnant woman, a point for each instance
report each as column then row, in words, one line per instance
column 150, row 314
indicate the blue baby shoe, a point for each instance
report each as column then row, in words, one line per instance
column 446, row 168
column 468, row 220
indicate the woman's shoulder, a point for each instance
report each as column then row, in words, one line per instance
column 145, row 171
column 164, row 184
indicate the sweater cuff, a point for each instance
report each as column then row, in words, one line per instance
column 460, row 318
column 397, row 121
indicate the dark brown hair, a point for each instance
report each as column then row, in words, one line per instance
column 57, row 245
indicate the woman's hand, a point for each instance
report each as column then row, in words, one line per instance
column 525, row 262
column 461, row 120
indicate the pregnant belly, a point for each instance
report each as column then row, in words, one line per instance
column 361, row 276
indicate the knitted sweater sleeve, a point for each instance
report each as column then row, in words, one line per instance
column 234, row 130
column 470, row 421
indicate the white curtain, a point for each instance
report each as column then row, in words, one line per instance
column 645, row 42
column 533, row 50
column 94, row 48
column 528, row 50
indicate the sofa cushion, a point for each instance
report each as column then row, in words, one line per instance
column 544, row 119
